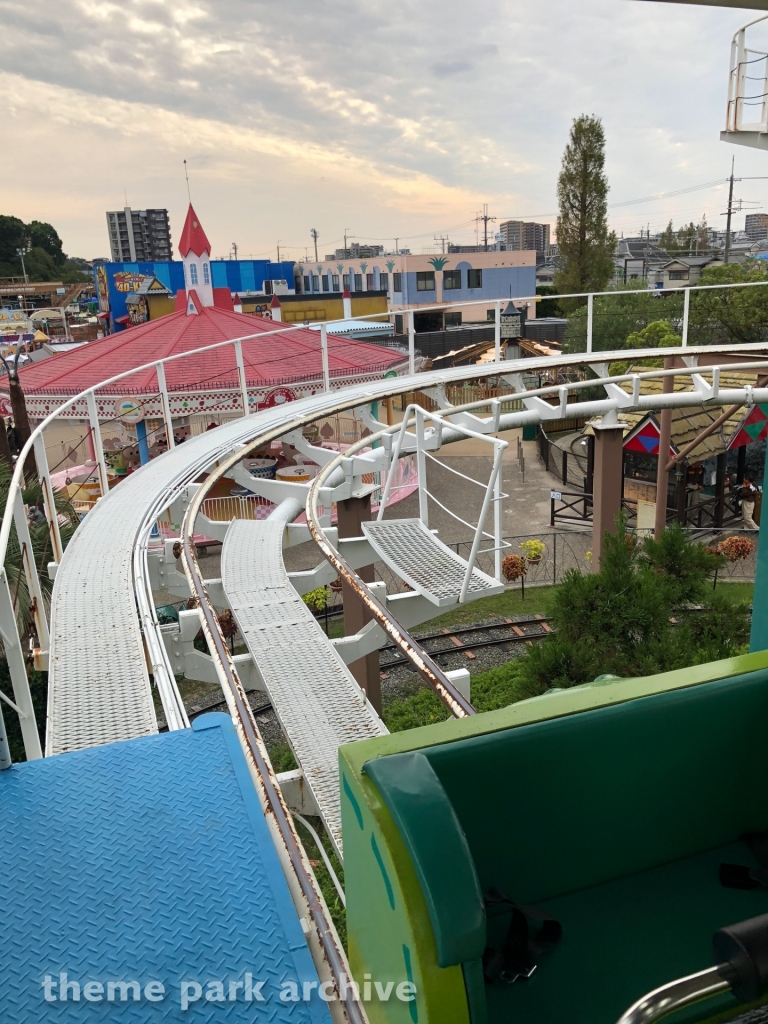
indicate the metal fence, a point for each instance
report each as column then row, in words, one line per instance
column 572, row 549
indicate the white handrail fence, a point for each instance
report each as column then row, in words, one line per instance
column 12, row 643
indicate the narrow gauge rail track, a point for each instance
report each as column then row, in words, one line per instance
column 515, row 631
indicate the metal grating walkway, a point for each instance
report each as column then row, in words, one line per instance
column 425, row 563
column 147, row 861
column 316, row 698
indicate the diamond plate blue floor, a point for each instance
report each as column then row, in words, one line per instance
column 146, row 861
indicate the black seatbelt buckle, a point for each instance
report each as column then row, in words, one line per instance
column 519, row 974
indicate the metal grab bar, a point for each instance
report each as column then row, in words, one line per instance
column 675, row 995
column 741, row 955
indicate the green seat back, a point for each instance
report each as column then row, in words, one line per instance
column 570, row 802
column 438, row 848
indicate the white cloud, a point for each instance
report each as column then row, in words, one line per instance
column 384, row 116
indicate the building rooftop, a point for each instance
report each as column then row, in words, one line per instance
column 292, row 356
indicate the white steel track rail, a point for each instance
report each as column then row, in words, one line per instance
column 102, row 609
column 95, row 631
column 102, row 579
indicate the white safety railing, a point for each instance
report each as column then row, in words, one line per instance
column 747, row 109
column 165, row 682
column 419, row 417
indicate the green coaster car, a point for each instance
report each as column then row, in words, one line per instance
column 602, row 813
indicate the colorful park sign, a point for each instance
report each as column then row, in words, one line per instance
column 645, row 439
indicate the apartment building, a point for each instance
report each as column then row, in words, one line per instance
column 756, row 226
column 521, row 234
column 139, row 235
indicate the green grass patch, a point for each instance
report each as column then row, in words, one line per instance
column 736, row 592
column 537, row 602
column 490, row 690
column 498, row 687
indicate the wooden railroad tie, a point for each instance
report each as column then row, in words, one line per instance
column 455, row 640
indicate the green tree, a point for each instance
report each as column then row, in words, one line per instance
column 585, row 243
column 658, row 334
column 730, row 314
column 616, row 317
column 44, row 256
column 548, row 307
column 12, row 238
column 618, row 621
column 45, row 236
column 689, row 238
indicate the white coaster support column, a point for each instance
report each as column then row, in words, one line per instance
column 30, row 571
column 50, row 505
column 18, row 672
column 98, row 447
column 686, row 310
column 241, row 375
column 324, row 354
column 163, row 388
column 411, row 344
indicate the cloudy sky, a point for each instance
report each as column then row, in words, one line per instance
column 390, row 118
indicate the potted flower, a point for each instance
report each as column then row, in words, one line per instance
column 533, row 550
column 736, row 548
column 513, row 567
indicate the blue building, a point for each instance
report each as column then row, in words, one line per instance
column 115, row 282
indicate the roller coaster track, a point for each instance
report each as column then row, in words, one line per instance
column 104, row 634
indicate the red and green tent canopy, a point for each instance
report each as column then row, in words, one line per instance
column 754, row 427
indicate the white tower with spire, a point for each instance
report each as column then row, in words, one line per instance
column 195, row 251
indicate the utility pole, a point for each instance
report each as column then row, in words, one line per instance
column 23, row 268
column 278, row 250
column 397, row 249
column 234, row 249
column 313, row 233
column 442, row 239
column 345, row 242
column 485, row 218
column 730, row 210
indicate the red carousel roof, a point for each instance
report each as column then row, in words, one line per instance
column 268, row 359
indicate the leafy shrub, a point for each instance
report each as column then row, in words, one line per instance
column 736, row 548
column 533, row 549
column 513, row 567
column 316, row 599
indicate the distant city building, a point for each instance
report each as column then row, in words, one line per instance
column 139, row 235
column 756, row 226
column 356, row 252
column 471, row 282
column 521, row 234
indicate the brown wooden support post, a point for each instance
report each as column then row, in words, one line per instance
column 589, row 483
column 351, row 513
column 665, row 432
column 606, row 505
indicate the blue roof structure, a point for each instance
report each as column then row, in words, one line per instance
column 147, row 862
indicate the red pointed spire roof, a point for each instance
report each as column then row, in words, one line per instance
column 345, row 293
column 193, row 238
column 275, row 302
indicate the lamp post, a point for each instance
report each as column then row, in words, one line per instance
column 20, row 253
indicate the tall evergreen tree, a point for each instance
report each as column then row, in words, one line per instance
column 585, row 243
